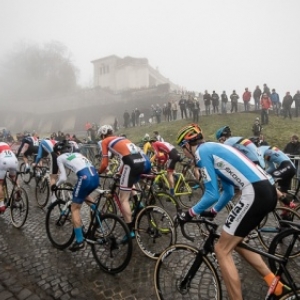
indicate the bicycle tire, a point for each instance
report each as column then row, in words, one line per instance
column 279, row 247
column 107, row 205
column 111, row 253
column 191, row 199
column 19, row 206
column 60, row 234
column 154, row 231
column 173, row 264
column 269, row 227
column 42, row 191
column 26, row 177
column 167, row 202
column 290, row 295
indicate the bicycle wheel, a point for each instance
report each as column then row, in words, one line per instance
column 107, row 204
column 110, row 252
column 171, row 268
column 154, row 230
column 19, row 208
column 279, row 247
column 26, row 176
column 59, row 227
column 166, row 201
column 290, row 295
column 42, row 191
column 196, row 192
column 270, row 226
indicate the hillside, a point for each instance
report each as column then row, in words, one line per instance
column 276, row 133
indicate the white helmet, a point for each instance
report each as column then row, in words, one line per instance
column 104, row 130
column 146, row 137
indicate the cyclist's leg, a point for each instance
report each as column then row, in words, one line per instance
column 2, row 204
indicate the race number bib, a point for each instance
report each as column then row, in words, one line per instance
column 132, row 148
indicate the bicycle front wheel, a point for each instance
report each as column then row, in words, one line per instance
column 167, row 202
column 269, row 227
column 26, row 176
column 192, row 191
column 59, row 227
column 171, row 268
column 111, row 243
column 19, row 207
column 288, row 240
column 42, row 192
column 154, row 230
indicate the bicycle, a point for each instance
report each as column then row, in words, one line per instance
column 153, row 226
column 42, row 188
column 16, row 200
column 187, row 191
column 185, row 272
column 105, row 233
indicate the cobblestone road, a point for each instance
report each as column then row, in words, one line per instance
column 30, row 268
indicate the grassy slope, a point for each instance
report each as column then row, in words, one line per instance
column 276, row 133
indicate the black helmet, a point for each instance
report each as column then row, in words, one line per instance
column 63, row 147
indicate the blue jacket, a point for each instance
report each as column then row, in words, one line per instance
column 275, row 98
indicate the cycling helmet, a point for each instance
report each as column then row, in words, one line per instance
column 146, row 137
column 189, row 134
column 104, row 130
column 223, row 131
column 63, row 147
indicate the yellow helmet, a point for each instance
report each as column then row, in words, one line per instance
column 189, row 133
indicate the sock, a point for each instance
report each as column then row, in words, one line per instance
column 27, row 166
column 269, row 278
column 78, row 234
column 172, row 191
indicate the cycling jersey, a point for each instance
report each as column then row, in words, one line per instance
column 8, row 161
column 280, row 166
column 45, row 148
column 33, row 145
column 147, row 149
column 247, row 148
column 130, row 154
column 88, row 178
column 217, row 160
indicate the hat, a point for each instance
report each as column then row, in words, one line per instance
column 257, row 119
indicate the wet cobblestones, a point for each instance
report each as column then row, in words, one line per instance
column 31, row 269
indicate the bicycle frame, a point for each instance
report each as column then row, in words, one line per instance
column 208, row 248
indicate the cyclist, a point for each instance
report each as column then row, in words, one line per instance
column 87, row 182
column 33, row 145
column 249, row 149
column 282, row 170
column 46, row 148
column 8, row 162
column 165, row 150
column 147, row 148
column 133, row 166
column 72, row 142
column 258, row 198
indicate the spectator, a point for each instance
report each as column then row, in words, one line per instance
column 265, row 103
column 169, row 111
column 133, row 118
column 116, row 124
column 275, row 102
column 174, row 110
column 246, row 99
column 88, row 126
column 296, row 98
column 190, row 105
column 256, row 95
column 157, row 136
column 287, row 104
column 292, row 147
column 158, row 112
column 234, row 101
column 256, row 128
column 137, row 114
column 207, row 102
column 215, row 102
column 126, row 118
column 165, row 112
column 196, row 109
column 182, row 105
column 224, row 101
column 266, row 90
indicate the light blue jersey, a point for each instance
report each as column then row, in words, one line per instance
column 247, row 148
column 221, row 161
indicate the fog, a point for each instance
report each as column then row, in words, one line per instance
column 214, row 45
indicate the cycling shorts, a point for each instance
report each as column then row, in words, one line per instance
column 134, row 165
column 9, row 163
column 284, row 175
column 88, row 181
column 174, row 157
column 53, row 165
column 31, row 150
column 256, row 201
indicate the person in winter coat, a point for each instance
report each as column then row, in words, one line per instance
column 246, row 99
column 287, row 104
column 265, row 103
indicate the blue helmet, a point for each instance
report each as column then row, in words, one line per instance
column 223, row 131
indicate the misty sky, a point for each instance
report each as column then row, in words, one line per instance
column 212, row 44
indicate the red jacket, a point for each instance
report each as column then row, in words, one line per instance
column 246, row 96
column 265, row 102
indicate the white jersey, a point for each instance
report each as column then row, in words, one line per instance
column 8, row 160
column 73, row 161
